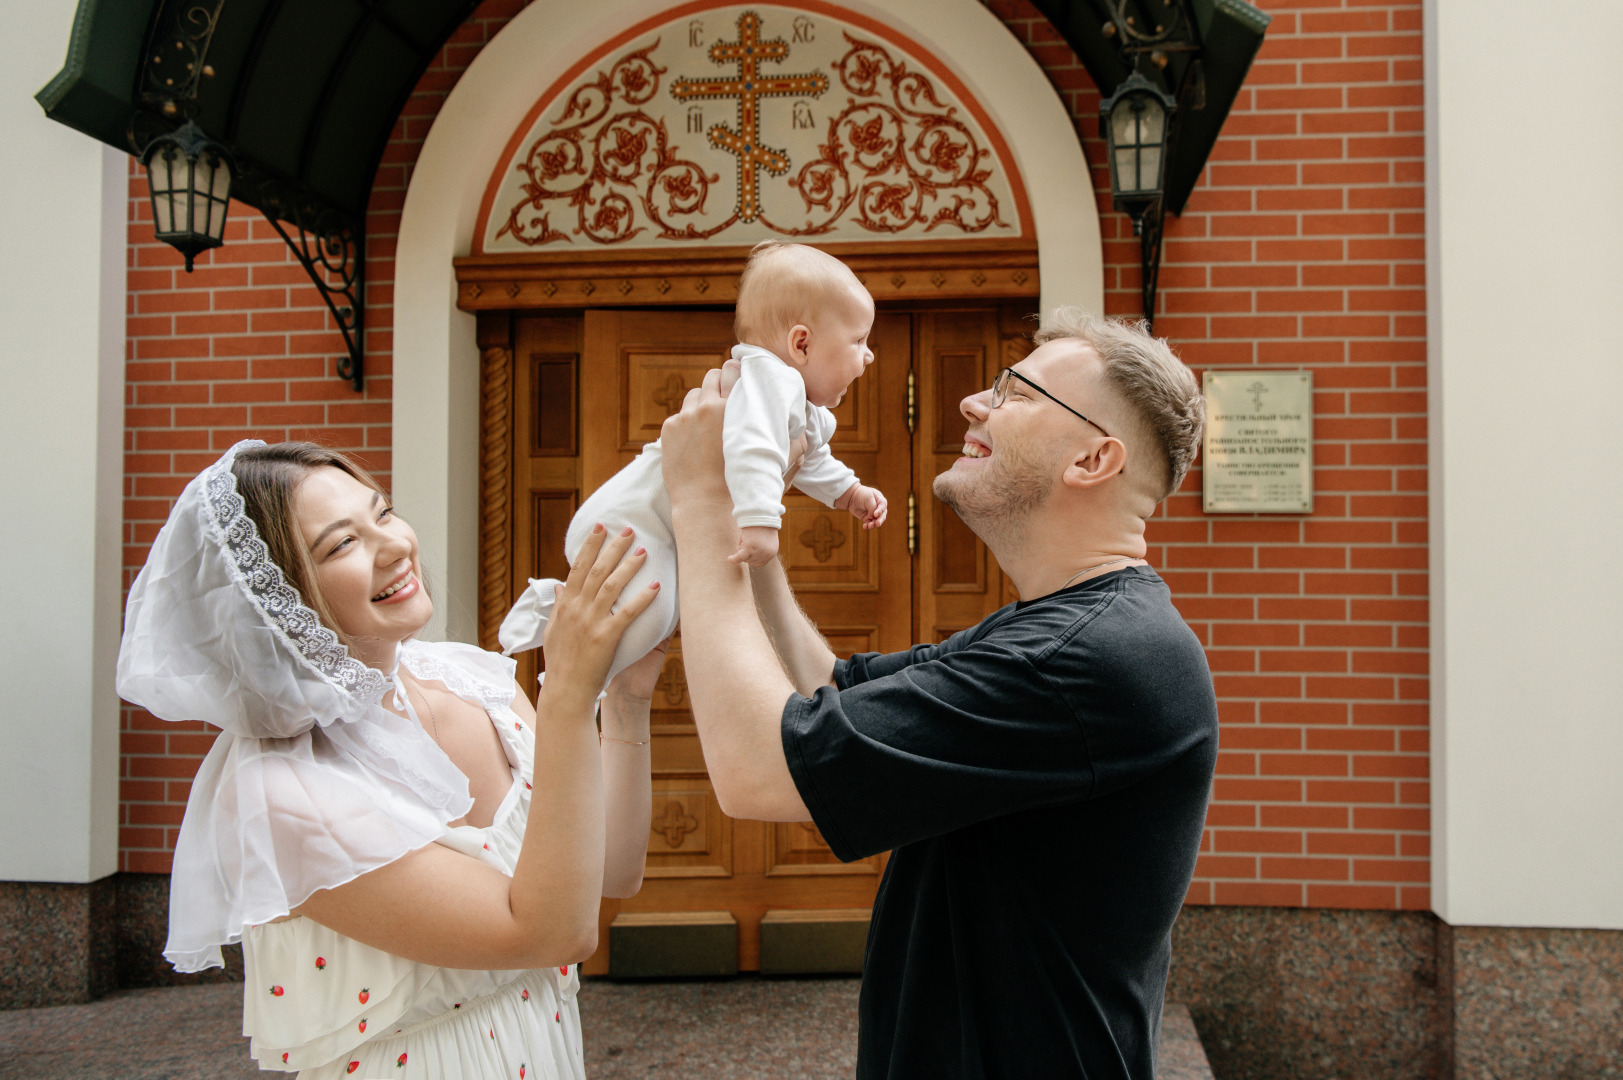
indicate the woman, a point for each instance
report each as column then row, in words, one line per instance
column 411, row 855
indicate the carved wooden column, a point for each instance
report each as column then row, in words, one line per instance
column 495, row 472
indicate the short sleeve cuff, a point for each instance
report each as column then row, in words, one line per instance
column 796, row 713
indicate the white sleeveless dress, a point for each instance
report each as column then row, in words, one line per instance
column 326, row 1006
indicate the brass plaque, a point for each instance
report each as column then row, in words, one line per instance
column 1257, row 455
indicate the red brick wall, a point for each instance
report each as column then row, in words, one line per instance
column 1301, row 248
column 243, row 347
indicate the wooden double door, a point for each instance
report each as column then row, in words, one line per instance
column 589, row 388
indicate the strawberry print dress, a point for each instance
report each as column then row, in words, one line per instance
column 326, row 1006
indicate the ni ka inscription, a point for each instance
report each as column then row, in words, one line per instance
column 749, row 122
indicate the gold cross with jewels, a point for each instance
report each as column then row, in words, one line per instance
column 748, row 86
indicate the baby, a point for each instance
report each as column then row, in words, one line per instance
column 802, row 321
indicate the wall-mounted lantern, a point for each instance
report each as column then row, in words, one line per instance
column 1136, row 120
column 189, row 179
column 191, row 175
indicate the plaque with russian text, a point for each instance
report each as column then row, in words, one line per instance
column 1257, row 456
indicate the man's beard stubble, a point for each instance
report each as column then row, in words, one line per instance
column 996, row 504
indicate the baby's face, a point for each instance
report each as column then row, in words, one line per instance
column 837, row 348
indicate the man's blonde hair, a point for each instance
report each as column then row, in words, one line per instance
column 1160, row 391
column 784, row 285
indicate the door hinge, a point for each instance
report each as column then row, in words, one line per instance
column 912, row 524
column 912, row 401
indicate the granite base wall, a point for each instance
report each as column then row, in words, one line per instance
column 68, row 944
column 1314, row 994
column 57, row 942
column 1276, row 993
column 1534, row 1003
column 143, row 927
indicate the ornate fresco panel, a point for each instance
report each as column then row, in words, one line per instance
column 734, row 123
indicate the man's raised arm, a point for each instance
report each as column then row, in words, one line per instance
column 736, row 684
column 803, row 650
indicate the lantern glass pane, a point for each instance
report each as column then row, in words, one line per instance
column 217, row 191
column 221, row 188
column 1152, row 122
column 1127, row 169
column 184, row 209
column 1149, row 165
column 163, row 215
column 175, row 167
column 202, row 205
column 1124, row 124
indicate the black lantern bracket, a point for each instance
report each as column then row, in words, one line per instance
column 328, row 243
column 1143, row 199
column 330, row 247
column 1147, row 43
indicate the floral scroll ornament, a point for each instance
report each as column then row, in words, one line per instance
column 595, row 161
column 894, row 160
column 896, row 157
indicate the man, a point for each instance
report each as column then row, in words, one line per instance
column 1041, row 777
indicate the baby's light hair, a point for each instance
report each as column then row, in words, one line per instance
column 784, row 285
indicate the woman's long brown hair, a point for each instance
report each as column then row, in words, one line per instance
column 267, row 477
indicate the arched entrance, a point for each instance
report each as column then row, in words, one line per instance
column 602, row 256
column 436, row 370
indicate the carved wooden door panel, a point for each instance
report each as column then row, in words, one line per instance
column 636, row 368
column 956, row 355
column 587, row 390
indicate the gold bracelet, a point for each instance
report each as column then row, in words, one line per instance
column 602, row 738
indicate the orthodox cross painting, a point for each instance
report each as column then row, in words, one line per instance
column 738, row 123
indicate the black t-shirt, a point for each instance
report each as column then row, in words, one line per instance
column 1042, row 778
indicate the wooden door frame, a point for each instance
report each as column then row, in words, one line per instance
column 495, row 288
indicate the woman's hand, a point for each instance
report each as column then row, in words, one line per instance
column 585, row 629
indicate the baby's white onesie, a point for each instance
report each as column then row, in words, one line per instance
column 766, row 411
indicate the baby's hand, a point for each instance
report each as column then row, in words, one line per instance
column 757, row 546
column 864, row 503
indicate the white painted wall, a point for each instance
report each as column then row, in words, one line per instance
column 1524, row 230
column 62, row 295
column 436, row 363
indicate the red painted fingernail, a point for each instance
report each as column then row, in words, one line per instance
column 655, row 585
column 626, row 531
column 640, row 551
column 598, row 527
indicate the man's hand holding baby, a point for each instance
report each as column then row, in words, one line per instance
column 868, row 505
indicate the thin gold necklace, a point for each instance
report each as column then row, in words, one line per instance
column 1101, row 566
column 432, row 719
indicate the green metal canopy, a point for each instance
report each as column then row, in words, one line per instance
column 303, row 92
column 1205, row 80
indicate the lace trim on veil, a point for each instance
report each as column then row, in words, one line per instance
column 458, row 679
column 277, row 602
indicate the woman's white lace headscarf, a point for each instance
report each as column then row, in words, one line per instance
column 311, row 782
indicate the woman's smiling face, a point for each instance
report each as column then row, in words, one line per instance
column 366, row 563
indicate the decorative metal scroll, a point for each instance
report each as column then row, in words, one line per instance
column 329, row 246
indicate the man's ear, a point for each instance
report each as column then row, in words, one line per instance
column 798, row 340
column 1096, row 462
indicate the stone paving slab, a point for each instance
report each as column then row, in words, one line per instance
column 748, row 1028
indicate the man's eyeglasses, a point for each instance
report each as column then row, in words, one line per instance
column 1000, row 394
